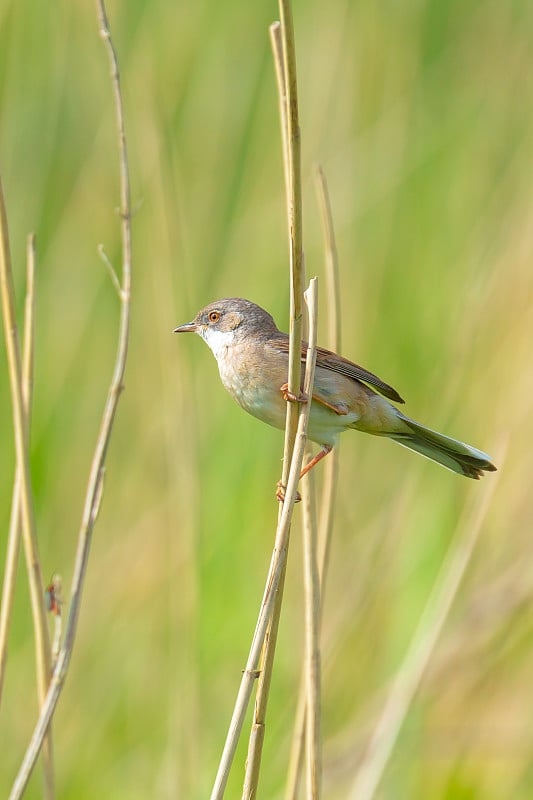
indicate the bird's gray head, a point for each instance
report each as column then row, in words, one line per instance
column 228, row 321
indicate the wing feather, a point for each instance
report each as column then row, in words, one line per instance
column 329, row 360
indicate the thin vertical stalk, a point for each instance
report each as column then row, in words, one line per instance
column 283, row 47
column 333, row 305
column 276, row 43
column 331, row 468
column 295, row 225
column 333, row 291
column 29, row 530
column 296, row 757
column 284, row 56
column 311, row 668
column 95, row 483
column 257, row 733
column 13, row 539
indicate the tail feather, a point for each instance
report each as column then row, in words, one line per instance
column 455, row 455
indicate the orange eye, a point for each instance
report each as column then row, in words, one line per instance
column 213, row 316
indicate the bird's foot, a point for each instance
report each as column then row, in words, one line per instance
column 280, row 493
column 290, row 397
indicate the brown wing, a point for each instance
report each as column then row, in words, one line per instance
column 329, row 360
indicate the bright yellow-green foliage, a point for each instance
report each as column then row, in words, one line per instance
column 421, row 114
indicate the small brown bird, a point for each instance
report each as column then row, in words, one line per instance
column 253, row 356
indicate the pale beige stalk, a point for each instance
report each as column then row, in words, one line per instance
column 331, row 468
column 13, row 539
column 311, row 667
column 333, row 298
column 29, row 530
column 283, row 47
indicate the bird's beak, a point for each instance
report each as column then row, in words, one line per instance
column 189, row 327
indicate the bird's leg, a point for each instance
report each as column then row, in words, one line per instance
column 302, row 398
column 290, row 397
column 340, row 408
column 327, row 448
column 280, row 488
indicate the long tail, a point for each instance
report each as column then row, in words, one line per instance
column 455, row 455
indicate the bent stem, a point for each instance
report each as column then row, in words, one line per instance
column 95, row 483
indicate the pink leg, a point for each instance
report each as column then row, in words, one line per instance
column 327, row 448
column 280, row 489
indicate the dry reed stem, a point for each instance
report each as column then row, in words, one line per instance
column 333, row 297
column 311, row 666
column 413, row 667
column 282, row 41
column 95, row 484
column 29, row 531
column 276, row 44
column 296, row 757
column 13, row 539
column 277, row 566
column 331, row 468
column 257, row 733
column 294, row 217
column 333, row 291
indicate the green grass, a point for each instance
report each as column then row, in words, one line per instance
column 420, row 115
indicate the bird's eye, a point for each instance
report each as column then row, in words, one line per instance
column 213, row 316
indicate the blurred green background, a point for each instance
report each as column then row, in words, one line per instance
column 420, row 113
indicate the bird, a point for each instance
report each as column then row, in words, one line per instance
column 253, row 358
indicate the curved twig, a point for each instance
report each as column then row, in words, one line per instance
column 95, row 484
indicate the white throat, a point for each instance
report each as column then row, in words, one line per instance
column 218, row 341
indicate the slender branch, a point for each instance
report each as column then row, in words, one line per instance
column 410, row 674
column 331, row 468
column 13, row 540
column 95, row 483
